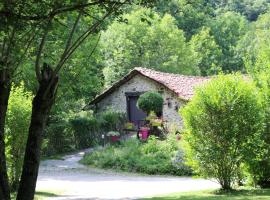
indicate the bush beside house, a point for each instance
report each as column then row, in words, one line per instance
column 81, row 130
column 89, row 128
column 224, row 122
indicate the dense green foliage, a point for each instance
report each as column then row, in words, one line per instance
column 153, row 157
column 145, row 39
column 88, row 128
column 190, row 15
column 150, row 101
column 224, row 121
column 249, row 8
column 19, row 112
column 81, row 130
column 261, row 74
column 259, row 168
column 207, row 52
column 228, row 28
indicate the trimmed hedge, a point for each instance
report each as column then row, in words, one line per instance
column 150, row 101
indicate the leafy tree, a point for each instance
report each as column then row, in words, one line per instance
column 148, row 40
column 249, row 8
column 80, row 81
column 255, row 42
column 190, row 15
column 259, row 167
column 228, row 28
column 259, row 69
column 207, row 52
column 18, row 117
column 16, row 37
column 223, row 122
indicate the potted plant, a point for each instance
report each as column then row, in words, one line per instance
column 114, row 135
column 129, row 126
column 144, row 133
column 152, row 115
column 156, row 122
column 151, row 102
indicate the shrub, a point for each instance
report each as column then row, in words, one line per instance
column 58, row 136
column 18, row 117
column 260, row 166
column 150, row 101
column 223, row 121
column 152, row 157
column 88, row 128
column 112, row 120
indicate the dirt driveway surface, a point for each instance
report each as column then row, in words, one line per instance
column 71, row 180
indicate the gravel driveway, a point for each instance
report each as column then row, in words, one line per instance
column 75, row 181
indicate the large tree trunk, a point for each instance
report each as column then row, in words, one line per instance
column 5, row 88
column 42, row 104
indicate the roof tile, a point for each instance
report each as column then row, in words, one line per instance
column 182, row 85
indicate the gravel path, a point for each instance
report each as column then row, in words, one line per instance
column 78, row 182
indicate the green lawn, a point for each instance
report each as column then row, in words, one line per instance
column 255, row 194
column 39, row 195
column 44, row 195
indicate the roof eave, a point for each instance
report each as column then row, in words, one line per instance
column 115, row 85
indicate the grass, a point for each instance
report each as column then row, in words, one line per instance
column 54, row 157
column 44, row 195
column 246, row 194
column 40, row 195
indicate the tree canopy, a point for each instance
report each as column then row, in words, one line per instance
column 144, row 38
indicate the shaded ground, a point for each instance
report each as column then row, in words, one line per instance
column 69, row 179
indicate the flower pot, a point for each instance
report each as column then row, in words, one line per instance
column 115, row 138
column 178, row 137
column 144, row 133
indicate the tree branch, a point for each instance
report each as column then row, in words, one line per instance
column 86, row 13
column 6, row 57
column 61, row 23
column 3, row 46
column 78, row 42
column 58, row 11
column 42, row 43
column 79, row 72
column 81, row 39
column 28, row 44
column 70, row 37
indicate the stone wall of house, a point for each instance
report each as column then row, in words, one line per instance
column 117, row 99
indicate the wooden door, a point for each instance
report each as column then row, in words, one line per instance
column 134, row 113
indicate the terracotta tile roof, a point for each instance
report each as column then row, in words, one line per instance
column 183, row 86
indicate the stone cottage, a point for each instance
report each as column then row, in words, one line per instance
column 122, row 96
